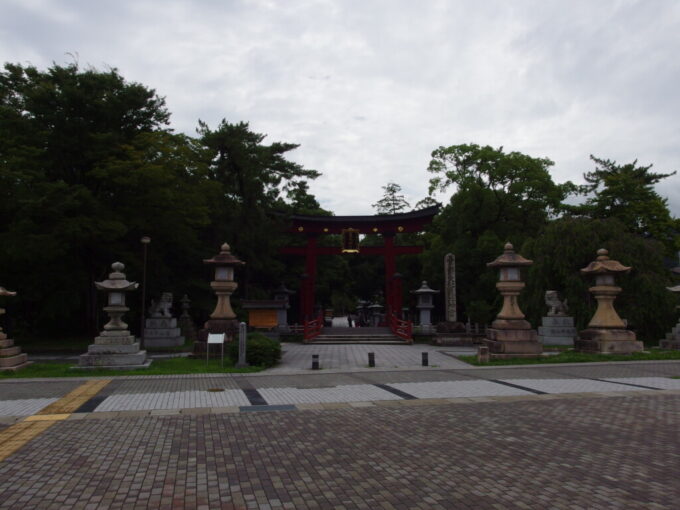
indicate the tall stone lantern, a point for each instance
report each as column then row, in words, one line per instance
column 425, row 304
column 115, row 347
column 223, row 318
column 510, row 336
column 606, row 332
column 11, row 357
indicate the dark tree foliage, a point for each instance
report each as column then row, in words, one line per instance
column 567, row 245
column 253, row 178
column 88, row 167
column 627, row 192
column 499, row 197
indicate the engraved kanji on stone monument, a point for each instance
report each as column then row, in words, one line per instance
column 450, row 287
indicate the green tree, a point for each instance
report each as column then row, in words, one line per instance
column 392, row 201
column 498, row 197
column 626, row 192
column 88, row 166
column 569, row 244
column 253, row 177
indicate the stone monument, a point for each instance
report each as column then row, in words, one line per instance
column 160, row 329
column 557, row 328
column 186, row 322
column 451, row 324
column 606, row 332
column 115, row 347
column 223, row 319
column 11, row 357
column 510, row 336
column 672, row 340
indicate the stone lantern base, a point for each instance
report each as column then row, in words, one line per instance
column 114, row 349
column 672, row 340
column 512, row 339
column 11, row 357
column 607, row 341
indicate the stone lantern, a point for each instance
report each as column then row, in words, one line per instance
column 425, row 298
column 223, row 318
column 606, row 332
column 11, row 357
column 116, row 347
column 510, row 336
column 282, row 294
column 375, row 311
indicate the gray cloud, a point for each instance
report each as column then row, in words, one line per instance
column 369, row 89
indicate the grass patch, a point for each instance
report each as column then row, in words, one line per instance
column 578, row 357
column 169, row 366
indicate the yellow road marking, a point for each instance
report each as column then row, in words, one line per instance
column 47, row 417
column 17, row 435
column 76, row 398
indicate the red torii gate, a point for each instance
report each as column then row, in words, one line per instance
column 387, row 225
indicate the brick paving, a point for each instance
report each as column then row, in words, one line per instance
column 561, row 453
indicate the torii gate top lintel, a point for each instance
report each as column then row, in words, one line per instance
column 413, row 221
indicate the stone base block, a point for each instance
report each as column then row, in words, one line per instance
column 161, row 332
column 515, row 348
column 113, row 349
column 671, row 345
column 556, row 340
column 10, row 351
column 16, row 367
column 13, row 361
column 163, row 341
column 6, row 342
column 512, row 335
column 458, row 340
column 112, row 360
column 115, row 340
column 160, row 322
column 607, row 341
column 146, row 364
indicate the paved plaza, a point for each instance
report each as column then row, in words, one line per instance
column 549, row 436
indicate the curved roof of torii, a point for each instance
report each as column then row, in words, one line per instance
column 413, row 221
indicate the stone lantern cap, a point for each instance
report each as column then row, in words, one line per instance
column 510, row 258
column 116, row 281
column 224, row 258
column 604, row 265
column 425, row 289
column 674, row 289
column 5, row 292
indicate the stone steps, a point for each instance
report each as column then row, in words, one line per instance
column 379, row 339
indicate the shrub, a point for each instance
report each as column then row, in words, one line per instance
column 260, row 350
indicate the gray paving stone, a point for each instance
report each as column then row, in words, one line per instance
column 448, row 389
column 24, row 407
column 353, row 393
column 21, row 390
column 531, row 454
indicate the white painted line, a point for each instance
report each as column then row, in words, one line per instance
column 25, row 407
column 454, row 389
column 173, row 400
column 344, row 393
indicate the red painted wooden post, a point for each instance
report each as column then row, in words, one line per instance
column 310, row 266
column 390, row 269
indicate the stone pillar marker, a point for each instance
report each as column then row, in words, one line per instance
column 510, row 336
column 11, row 357
column 606, row 332
column 242, row 337
column 557, row 328
column 450, row 287
column 115, row 347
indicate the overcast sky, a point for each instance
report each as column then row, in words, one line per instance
column 370, row 88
